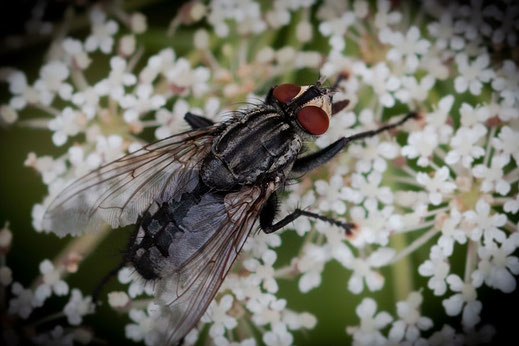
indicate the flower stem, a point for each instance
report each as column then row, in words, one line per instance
column 489, row 146
column 469, row 262
column 401, row 272
column 414, row 245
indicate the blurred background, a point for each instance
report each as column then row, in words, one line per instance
column 21, row 188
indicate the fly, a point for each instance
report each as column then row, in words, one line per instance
column 196, row 196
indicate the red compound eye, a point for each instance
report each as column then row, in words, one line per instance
column 313, row 119
column 286, row 92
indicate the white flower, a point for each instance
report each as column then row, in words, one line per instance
column 88, row 101
column 446, row 337
column 21, row 303
column 107, row 149
column 217, row 314
column 374, row 224
column 464, row 146
column 51, row 282
column 269, row 310
column 436, row 65
column 182, row 77
column 407, row 48
column 412, row 90
column 246, row 14
column 493, row 176
column 367, row 190
column 410, row 324
column 328, row 192
column 157, row 64
column 477, row 337
column 118, row 299
column 474, row 116
column 335, row 246
column 383, row 83
column 137, row 285
column 295, row 321
column 362, row 270
column 143, row 101
column 451, row 232
column 507, row 144
column 8, row 115
column 372, row 154
column 77, row 57
column 444, row 33
column 311, row 265
column 485, row 225
column 336, row 28
column 466, row 299
column 439, row 186
column 384, row 17
column 261, row 244
column 263, row 273
column 138, row 22
column 68, row 123
column 49, row 168
column 171, row 122
column 304, row 31
column 6, row 236
column 52, row 82
column 143, row 325
column 118, row 78
column 279, row 336
column 421, row 145
column 77, row 307
column 437, row 268
column 23, row 93
column 368, row 332
column 102, row 32
column 507, row 83
column 472, row 75
column 497, row 265
column 512, row 205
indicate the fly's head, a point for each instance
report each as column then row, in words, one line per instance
column 308, row 107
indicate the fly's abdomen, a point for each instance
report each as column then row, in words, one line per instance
column 175, row 224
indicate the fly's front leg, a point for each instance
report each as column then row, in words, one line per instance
column 311, row 161
column 197, row 121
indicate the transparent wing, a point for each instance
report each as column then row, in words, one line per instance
column 186, row 290
column 118, row 192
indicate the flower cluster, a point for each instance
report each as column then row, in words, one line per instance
column 445, row 186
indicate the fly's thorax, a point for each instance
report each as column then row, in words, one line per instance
column 251, row 149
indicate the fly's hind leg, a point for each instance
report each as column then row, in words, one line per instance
column 125, row 261
column 197, row 121
column 269, row 212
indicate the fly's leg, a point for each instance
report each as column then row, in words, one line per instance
column 197, row 121
column 126, row 259
column 311, row 161
column 270, row 210
column 348, row 227
column 105, row 280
